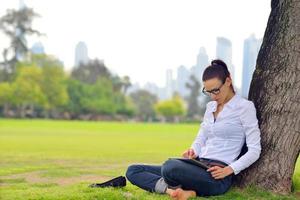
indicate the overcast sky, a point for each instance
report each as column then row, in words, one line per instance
column 143, row 38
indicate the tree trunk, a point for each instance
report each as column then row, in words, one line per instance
column 6, row 110
column 275, row 90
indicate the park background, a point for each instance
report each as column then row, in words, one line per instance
column 67, row 121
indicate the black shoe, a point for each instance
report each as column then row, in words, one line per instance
column 119, row 181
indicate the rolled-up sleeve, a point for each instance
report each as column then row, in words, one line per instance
column 252, row 134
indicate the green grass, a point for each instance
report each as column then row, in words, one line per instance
column 44, row 159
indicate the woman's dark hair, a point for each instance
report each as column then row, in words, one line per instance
column 216, row 69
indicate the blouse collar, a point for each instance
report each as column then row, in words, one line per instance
column 231, row 103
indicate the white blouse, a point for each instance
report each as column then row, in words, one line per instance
column 224, row 138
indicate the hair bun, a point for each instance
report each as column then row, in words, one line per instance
column 218, row 63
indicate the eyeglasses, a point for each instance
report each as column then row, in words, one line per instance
column 213, row 91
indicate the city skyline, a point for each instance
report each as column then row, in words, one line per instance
column 133, row 41
column 177, row 83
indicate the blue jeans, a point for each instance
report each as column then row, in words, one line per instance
column 178, row 173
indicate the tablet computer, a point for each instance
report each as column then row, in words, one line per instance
column 194, row 162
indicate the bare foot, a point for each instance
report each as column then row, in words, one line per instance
column 172, row 193
column 180, row 194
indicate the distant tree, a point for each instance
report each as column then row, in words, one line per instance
column 44, row 60
column 95, row 70
column 192, row 100
column 16, row 25
column 126, row 83
column 5, row 93
column 91, row 72
column 120, row 84
column 52, row 81
column 144, row 102
column 171, row 109
column 53, row 84
column 5, row 97
column 91, row 99
column 99, row 98
column 27, row 91
column 75, row 91
column 126, row 107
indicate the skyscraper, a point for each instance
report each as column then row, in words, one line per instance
column 251, row 49
column 81, row 54
column 201, row 64
column 133, row 88
column 22, row 4
column 224, row 52
column 152, row 88
column 38, row 48
column 170, row 84
column 183, row 75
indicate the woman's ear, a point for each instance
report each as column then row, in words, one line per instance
column 228, row 81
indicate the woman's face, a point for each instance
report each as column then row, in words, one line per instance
column 217, row 90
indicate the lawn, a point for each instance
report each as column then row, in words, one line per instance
column 43, row 159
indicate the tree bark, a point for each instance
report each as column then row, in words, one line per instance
column 275, row 91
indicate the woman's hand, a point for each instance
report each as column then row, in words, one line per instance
column 190, row 153
column 219, row 172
